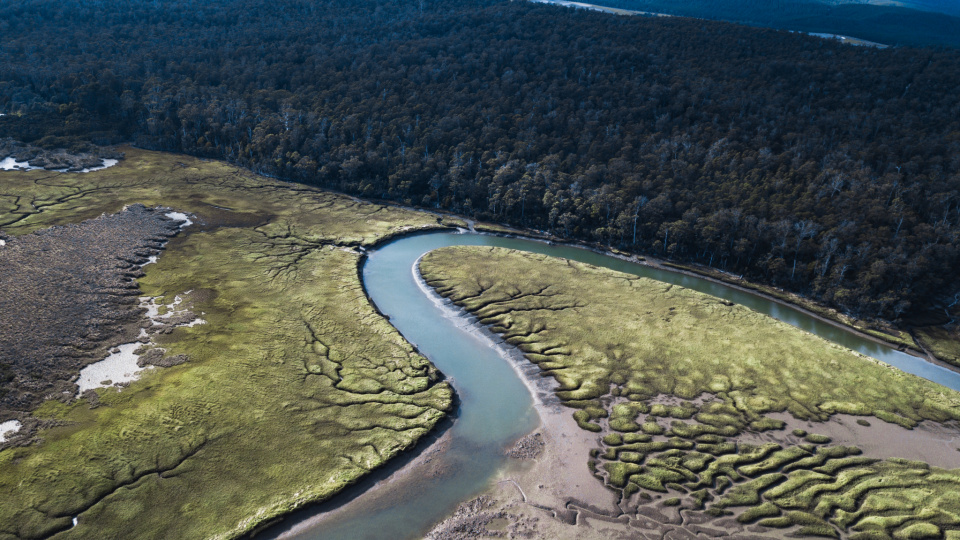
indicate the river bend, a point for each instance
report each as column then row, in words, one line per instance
column 495, row 406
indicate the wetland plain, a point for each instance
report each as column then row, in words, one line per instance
column 662, row 410
column 295, row 386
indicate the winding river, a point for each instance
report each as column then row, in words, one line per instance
column 495, row 406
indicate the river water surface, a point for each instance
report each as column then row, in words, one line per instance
column 495, row 406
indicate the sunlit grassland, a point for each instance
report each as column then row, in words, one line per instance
column 616, row 344
column 295, row 386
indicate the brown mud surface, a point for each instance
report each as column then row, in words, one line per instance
column 68, row 294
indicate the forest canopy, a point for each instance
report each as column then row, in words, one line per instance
column 823, row 168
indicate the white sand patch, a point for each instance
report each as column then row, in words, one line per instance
column 180, row 216
column 119, row 367
column 106, row 163
column 152, row 305
column 8, row 429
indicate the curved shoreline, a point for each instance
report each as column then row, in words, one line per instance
column 420, row 461
column 663, row 266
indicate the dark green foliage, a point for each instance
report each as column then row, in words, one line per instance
column 800, row 162
column 752, row 514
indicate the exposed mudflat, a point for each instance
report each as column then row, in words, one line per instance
column 69, row 294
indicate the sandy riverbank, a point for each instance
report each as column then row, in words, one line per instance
column 373, row 493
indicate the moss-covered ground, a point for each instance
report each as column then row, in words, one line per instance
column 670, row 378
column 295, row 387
column 943, row 342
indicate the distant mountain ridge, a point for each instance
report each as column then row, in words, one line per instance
column 917, row 23
column 949, row 7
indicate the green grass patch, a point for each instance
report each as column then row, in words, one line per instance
column 295, row 387
column 601, row 329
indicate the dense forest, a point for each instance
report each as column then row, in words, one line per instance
column 917, row 23
column 823, row 168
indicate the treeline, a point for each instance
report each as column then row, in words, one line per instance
column 826, row 169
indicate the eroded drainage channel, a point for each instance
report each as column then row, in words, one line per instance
column 495, row 406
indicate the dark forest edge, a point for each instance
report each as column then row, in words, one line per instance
column 827, row 170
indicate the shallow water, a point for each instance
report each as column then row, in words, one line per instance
column 495, row 406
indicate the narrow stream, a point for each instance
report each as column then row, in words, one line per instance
column 495, row 406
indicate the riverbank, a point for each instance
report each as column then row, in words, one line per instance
column 310, row 243
column 793, row 301
column 551, row 483
column 544, row 391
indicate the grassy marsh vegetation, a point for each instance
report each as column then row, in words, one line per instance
column 670, row 377
column 295, row 387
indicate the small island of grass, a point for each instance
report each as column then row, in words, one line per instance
column 697, row 403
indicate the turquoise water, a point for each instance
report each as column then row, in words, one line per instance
column 495, row 407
